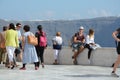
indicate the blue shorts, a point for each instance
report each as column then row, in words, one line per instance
column 76, row 46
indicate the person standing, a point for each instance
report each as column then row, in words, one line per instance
column 78, row 43
column 116, row 36
column 3, row 54
column 57, row 46
column 11, row 43
column 42, row 44
column 18, row 50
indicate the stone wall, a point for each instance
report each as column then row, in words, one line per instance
column 99, row 57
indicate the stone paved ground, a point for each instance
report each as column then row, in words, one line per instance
column 58, row 72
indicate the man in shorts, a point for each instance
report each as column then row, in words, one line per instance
column 78, row 43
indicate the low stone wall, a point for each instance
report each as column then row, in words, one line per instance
column 99, row 57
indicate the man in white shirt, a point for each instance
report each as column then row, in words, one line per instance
column 18, row 50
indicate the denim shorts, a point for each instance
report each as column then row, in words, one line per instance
column 76, row 46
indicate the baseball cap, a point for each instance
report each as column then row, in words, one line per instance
column 81, row 27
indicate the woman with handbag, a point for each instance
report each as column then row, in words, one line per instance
column 29, row 52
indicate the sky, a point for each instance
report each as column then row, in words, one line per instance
column 58, row 9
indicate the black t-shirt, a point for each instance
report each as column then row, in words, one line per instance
column 118, row 30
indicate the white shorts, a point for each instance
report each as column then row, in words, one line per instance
column 10, row 52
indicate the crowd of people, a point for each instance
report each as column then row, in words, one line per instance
column 14, row 44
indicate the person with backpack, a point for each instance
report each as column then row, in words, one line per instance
column 57, row 46
column 42, row 44
column 78, row 43
column 116, row 64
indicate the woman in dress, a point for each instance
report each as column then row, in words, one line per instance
column 29, row 52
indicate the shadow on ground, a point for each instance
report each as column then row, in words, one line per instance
column 89, row 75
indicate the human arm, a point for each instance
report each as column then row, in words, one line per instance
column 114, row 35
column 23, row 42
column 16, row 39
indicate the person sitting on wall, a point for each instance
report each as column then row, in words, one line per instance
column 90, row 43
column 78, row 43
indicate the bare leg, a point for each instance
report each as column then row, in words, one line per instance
column 20, row 56
column 77, row 53
column 116, row 64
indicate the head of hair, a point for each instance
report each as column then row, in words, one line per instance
column 4, row 28
column 17, row 24
column 26, row 28
column 39, row 27
column 91, row 32
column 58, row 34
column 11, row 26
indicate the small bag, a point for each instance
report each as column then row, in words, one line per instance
column 2, row 41
column 2, row 45
column 58, row 47
column 32, row 40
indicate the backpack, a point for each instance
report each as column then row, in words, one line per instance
column 42, row 39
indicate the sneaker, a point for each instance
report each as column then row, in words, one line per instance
column 12, row 67
column 114, row 75
column 75, row 62
column 89, row 61
column 22, row 68
column 43, row 66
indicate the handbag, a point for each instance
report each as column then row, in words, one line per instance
column 2, row 41
column 2, row 45
column 58, row 47
column 32, row 40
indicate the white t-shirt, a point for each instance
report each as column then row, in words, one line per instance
column 89, row 40
column 58, row 40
